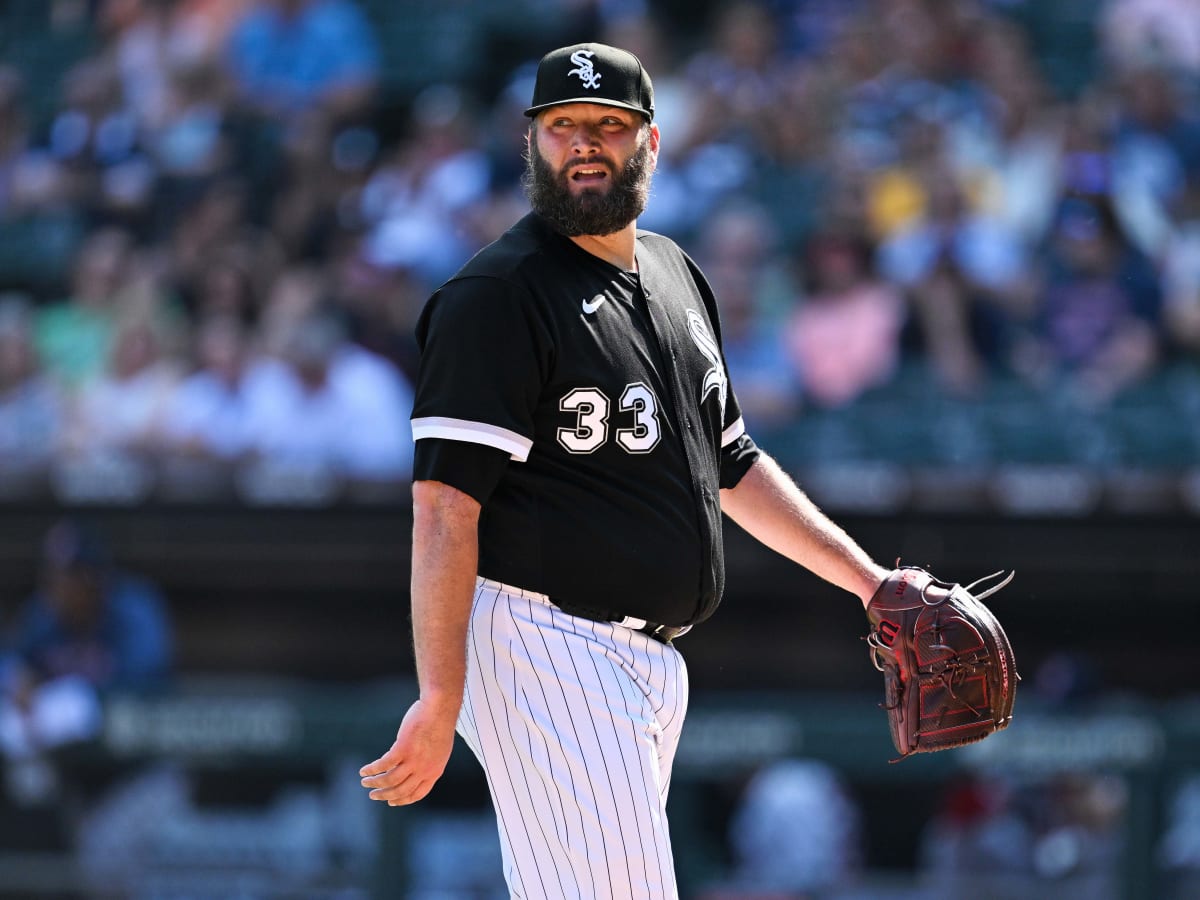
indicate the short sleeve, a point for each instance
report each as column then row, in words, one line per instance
column 484, row 355
column 472, row 468
column 736, row 459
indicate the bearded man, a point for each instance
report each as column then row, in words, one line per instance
column 577, row 441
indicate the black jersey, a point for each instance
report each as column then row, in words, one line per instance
column 606, row 394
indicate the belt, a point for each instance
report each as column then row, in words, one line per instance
column 662, row 633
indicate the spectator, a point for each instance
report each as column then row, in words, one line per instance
column 89, row 629
column 288, row 56
column 137, row 35
column 739, row 76
column 314, row 186
column 74, row 337
column 190, row 140
column 1096, row 330
column 31, row 406
column 96, row 143
column 329, row 405
column 1010, row 157
column 897, row 192
column 859, row 108
column 795, row 178
column 965, row 273
column 1126, row 160
column 977, row 832
column 15, row 145
column 209, row 415
column 123, row 410
column 295, row 295
column 416, row 202
column 1156, row 143
column 1157, row 32
column 149, row 41
column 735, row 79
column 844, row 336
column 795, row 831
column 229, row 282
column 1079, row 818
column 209, row 223
column 381, row 305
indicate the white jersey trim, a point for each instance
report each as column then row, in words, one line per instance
column 515, row 445
column 733, row 432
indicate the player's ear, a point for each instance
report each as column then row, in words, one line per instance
column 653, row 138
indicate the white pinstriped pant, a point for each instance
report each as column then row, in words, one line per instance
column 576, row 724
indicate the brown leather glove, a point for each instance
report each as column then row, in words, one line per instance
column 949, row 672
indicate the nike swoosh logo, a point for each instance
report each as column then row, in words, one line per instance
column 591, row 307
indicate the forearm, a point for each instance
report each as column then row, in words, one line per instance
column 445, row 560
column 445, row 552
column 769, row 505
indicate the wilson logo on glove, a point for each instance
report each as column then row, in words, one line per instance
column 887, row 632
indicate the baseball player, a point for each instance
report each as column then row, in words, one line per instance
column 577, row 440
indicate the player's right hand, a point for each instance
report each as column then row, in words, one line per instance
column 416, row 759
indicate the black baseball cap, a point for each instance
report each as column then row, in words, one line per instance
column 592, row 73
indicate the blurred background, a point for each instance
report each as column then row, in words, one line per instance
column 957, row 248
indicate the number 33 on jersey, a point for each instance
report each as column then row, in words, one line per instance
column 599, row 368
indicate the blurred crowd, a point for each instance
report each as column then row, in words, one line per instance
column 220, row 218
column 797, row 831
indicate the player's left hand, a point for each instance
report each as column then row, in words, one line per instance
column 416, row 759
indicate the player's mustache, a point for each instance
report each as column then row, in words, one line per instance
column 592, row 163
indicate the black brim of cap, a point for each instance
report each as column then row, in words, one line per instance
column 596, row 101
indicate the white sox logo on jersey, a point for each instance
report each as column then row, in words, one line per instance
column 586, row 71
column 714, row 378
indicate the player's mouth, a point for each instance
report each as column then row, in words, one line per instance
column 588, row 174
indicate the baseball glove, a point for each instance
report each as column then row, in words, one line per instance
column 948, row 668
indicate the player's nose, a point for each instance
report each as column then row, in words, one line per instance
column 585, row 140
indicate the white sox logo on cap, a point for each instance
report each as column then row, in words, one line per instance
column 573, row 75
column 585, row 70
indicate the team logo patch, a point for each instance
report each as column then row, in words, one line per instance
column 584, row 69
column 714, row 378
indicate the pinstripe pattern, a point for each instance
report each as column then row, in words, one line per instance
column 576, row 724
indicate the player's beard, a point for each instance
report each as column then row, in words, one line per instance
column 592, row 212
